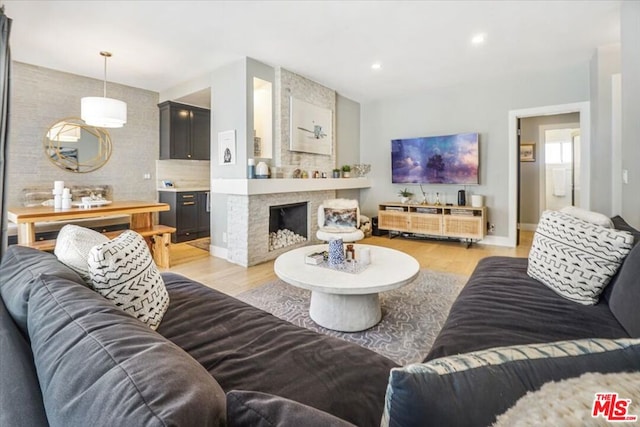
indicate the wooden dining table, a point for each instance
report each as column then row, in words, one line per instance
column 141, row 220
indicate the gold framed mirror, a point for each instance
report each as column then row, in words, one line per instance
column 74, row 146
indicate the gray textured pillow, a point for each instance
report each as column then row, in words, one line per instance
column 73, row 245
column 98, row 366
column 472, row 389
column 575, row 258
column 122, row 270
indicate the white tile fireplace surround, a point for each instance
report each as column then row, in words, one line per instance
column 248, row 203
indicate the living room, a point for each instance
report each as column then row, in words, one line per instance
column 368, row 115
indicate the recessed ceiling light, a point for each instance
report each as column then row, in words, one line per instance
column 376, row 66
column 478, row 38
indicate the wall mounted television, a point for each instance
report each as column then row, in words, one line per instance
column 446, row 159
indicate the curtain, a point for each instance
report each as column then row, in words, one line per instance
column 5, row 66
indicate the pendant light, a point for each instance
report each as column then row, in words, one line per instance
column 102, row 111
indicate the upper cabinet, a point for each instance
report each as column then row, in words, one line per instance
column 185, row 132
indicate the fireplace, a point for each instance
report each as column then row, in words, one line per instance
column 287, row 225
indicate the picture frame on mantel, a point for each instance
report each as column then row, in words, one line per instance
column 528, row 152
column 311, row 128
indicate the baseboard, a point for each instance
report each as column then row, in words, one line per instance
column 528, row 227
column 495, row 241
column 218, row 252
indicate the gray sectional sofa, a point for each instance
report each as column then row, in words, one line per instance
column 71, row 358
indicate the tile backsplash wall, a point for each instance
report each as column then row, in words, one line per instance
column 183, row 173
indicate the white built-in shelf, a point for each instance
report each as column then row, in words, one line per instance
column 250, row 187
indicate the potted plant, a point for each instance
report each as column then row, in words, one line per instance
column 346, row 171
column 336, row 173
column 405, row 195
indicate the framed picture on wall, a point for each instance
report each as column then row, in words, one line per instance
column 528, row 152
column 311, row 128
column 227, row 147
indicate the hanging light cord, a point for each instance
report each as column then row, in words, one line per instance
column 106, row 55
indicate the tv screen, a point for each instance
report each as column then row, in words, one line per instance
column 447, row 159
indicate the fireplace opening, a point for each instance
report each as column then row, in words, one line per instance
column 287, row 225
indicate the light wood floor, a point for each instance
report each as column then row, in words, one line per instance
column 452, row 257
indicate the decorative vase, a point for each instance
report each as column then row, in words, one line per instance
column 405, row 199
column 336, row 252
column 262, row 170
column 336, row 174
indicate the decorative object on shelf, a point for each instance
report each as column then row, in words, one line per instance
column 58, row 188
column 462, row 198
column 316, row 174
column 477, row 200
column 262, row 170
column 324, row 174
column 336, row 173
column 405, row 195
column 346, row 171
column 257, row 145
column 360, row 170
column 251, row 168
column 102, row 111
column 424, row 196
column 304, row 175
column 311, row 130
column 437, row 202
column 297, row 173
column 528, row 152
column 336, row 252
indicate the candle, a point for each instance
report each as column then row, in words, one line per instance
column 365, row 256
column 66, row 192
column 251, row 162
column 57, row 187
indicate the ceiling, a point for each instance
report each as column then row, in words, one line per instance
column 419, row 44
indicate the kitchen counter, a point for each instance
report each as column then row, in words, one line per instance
column 185, row 189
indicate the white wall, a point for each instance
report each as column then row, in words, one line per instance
column 604, row 64
column 630, row 36
column 482, row 107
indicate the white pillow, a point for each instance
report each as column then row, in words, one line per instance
column 73, row 245
column 575, row 258
column 122, row 270
column 589, row 216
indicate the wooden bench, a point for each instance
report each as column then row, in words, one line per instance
column 158, row 238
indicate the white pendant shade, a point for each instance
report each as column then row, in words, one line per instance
column 103, row 112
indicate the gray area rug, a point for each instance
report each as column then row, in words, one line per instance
column 412, row 316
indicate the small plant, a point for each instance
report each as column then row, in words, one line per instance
column 405, row 193
column 336, row 170
column 346, row 168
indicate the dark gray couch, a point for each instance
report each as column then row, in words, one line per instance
column 71, row 358
column 507, row 334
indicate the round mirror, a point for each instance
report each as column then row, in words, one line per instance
column 74, row 146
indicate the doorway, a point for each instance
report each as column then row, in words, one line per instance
column 547, row 177
column 582, row 158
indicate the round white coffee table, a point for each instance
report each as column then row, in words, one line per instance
column 345, row 301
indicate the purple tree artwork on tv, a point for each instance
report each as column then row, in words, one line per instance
column 447, row 159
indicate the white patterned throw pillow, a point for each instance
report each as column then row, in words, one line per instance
column 575, row 258
column 73, row 245
column 122, row 270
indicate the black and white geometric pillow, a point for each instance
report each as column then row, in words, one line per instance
column 122, row 270
column 575, row 258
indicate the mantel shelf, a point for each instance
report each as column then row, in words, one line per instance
column 250, row 187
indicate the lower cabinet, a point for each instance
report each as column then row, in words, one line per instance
column 189, row 214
